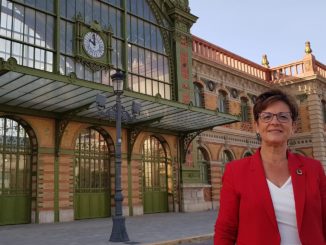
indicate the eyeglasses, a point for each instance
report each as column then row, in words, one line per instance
column 282, row 117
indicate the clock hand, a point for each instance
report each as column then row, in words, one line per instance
column 92, row 40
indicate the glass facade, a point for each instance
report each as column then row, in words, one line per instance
column 28, row 33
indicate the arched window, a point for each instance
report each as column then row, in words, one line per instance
column 198, row 90
column 202, row 161
column 222, row 101
column 247, row 154
column 225, row 158
column 92, row 184
column 155, row 176
column 15, row 173
column 244, row 109
column 323, row 103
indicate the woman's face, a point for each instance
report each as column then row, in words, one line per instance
column 275, row 132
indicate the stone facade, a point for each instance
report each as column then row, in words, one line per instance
column 240, row 78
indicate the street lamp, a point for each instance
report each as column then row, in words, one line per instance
column 117, row 111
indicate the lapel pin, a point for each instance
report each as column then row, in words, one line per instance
column 299, row 171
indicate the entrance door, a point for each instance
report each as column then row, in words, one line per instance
column 154, row 176
column 15, row 173
column 92, row 195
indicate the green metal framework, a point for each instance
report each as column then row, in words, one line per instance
column 92, row 184
column 155, row 181
column 15, row 173
column 40, row 35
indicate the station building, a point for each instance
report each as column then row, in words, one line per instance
column 57, row 147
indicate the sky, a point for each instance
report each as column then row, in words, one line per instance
column 251, row 28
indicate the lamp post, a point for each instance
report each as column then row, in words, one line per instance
column 119, row 231
column 118, row 112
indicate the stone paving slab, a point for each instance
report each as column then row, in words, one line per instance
column 162, row 228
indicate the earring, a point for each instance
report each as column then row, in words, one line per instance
column 258, row 136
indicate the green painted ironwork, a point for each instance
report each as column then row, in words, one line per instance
column 92, row 164
column 155, row 197
column 15, row 173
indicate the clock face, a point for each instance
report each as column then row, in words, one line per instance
column 94, row 45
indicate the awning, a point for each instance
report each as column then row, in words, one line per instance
column 23, row 89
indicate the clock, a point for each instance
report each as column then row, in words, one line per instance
column 93, row 44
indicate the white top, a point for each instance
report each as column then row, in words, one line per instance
column 284, row 207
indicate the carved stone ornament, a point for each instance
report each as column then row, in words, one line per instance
column 252, row 97
column 234, row 93
column 210, row 85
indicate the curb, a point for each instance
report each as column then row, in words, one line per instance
column 184, row 240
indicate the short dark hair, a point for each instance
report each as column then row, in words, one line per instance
column 271, row 96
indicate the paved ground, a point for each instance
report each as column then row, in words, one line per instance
column 163, row 228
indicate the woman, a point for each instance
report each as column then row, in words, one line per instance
column 275, row 196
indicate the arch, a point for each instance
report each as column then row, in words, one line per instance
column 155, row 175
column 18, row 171
column 226, row 155
column 222, row 102
column 244, row 103
column 300, row 152
column 204, row 166
column 198, row 95
column 247, row 153
column 323, row 108
column 94, row 153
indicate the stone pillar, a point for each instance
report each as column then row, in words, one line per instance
column 317, row 128
column 216, row 182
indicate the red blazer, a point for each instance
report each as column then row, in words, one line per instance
column 246, row 215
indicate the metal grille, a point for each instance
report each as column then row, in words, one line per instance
column 154, row 165
column 15, row 158
column 91, row 162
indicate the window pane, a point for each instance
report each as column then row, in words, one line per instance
column 149, row 87
column 154, row 66
column 160, row 68
column 62, row 36
column 141, row 39
column 40, row 30
column 134, row 59
column 80, row 7
column 113, row 20
column 96, row 11
column 69, row 38
column 49, row 61
column 135, row 83
column 133, row 30
column 155, row 88
column 28, row 56
column 119, row 21
column 148, row 63
column 166, row 70
column 71, row 9
column 147, row 32
column 17, row 52
column 49, row 31
column 18, row 24
column 141, row 61
column 29, row 26
column 6, row 19
column 88, row 11
column 142, row 87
